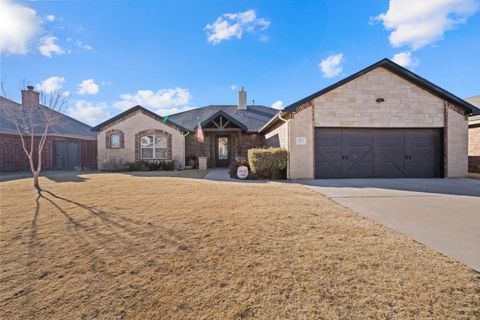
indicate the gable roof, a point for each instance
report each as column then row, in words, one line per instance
column 225, row 115
column 251, row 119
column 65, row 127
column 401, row 72
column 145, row 111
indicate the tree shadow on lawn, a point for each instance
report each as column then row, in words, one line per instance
column 57, row 176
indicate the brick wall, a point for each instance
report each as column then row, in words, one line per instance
column 238, row 146
column 474, row 149
column 13, row 158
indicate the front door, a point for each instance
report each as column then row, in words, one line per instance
column 222, row 152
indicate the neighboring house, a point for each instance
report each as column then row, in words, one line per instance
column 71, row 145
column 384, row 121
column 474, row 138
column 139, row 134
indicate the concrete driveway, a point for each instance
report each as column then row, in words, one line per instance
column 443, row 214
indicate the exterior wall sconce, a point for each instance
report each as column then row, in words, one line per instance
column 380, row 100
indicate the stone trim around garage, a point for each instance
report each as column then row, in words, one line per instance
column 108, row 138
column 142, row 133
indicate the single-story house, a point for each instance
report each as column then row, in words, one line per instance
column 383, row 121
column 70, row 145
column 139, row 134
column 474, row 138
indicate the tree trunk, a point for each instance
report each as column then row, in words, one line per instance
column 36, row 184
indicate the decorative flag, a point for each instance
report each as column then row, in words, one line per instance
column 199, row 134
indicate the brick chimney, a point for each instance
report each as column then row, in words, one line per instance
column 30, row 98
column 242, row 99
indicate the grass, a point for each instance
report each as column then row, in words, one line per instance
column 120, row 246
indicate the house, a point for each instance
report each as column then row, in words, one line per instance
column 383, row 121
column 474, row 138
column 139, row 134
column 70, row 145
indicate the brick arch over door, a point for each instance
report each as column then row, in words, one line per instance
column 142, row 133
column 108, row 138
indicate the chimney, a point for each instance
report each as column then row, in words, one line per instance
column 30, row 98
column 242, row 99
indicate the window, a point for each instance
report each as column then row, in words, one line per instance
column 153, row 146
column 115, row 141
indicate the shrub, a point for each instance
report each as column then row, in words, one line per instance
column 167, row 165
column 270, row 163
column 234, row 167
column 115, row 165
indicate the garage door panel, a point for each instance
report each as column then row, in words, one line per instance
column 382, row 153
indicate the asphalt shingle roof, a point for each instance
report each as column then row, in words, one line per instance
column 65, row 127
column 254, row 118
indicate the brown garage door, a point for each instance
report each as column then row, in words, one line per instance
column 377, row 153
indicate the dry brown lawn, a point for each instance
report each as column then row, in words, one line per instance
column 119, row 246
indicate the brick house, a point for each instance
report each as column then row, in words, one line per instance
column 70, row 145
column 383, row 121
column 229, row 130
column 474, row 138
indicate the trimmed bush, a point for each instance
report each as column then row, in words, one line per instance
column 154, row 165
column 234, row 167
column 269, row 163
column 115, row 165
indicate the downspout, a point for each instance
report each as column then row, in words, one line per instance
column 287, row 122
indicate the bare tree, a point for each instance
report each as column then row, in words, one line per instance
column 32, row 121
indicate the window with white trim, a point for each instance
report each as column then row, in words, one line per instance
column 153, row 146
column 114, row 141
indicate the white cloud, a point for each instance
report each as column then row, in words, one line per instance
column 332, row 65
column 84, row 46
column 233, row 25
column 90, row 113
column 88, row 87
column 419, row 23
column 405, row 59
column 277, row 105
column 163, row 101
column 48, row 46
column 50, row 18
column 18, row 24
column 233, row 87
column 51, row 84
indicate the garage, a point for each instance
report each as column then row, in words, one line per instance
column 377, row 153
column 382, row 122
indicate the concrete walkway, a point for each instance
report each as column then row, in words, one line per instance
column 443, row 214
column 218, row 174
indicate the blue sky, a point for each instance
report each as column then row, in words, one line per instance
column 175, row 55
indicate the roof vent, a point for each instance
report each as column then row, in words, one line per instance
column 242, row 99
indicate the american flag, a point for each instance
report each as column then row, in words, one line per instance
column 199, row 133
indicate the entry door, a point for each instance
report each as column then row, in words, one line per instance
column 222, row 151
column 67, row 155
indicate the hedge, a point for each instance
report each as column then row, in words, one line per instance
column 270, row 163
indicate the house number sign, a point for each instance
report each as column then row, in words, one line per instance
column 301, row 141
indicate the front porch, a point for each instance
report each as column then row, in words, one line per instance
column 225, row 141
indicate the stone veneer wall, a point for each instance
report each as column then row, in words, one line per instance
column 131, row 126
column 354, row 105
